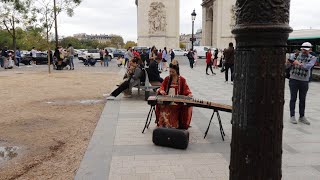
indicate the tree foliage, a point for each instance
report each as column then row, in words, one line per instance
column 182, row 46
column 116, row 41
column 25, row 39
column 130, row 44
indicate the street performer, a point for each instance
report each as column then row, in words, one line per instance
column 174, row 116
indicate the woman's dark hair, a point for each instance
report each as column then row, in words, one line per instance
column 175, row 67
column 135, row 60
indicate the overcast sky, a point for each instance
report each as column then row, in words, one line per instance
column 120, row 17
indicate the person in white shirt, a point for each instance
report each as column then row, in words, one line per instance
column 34, row 55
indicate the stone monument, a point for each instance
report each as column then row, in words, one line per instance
column 218, row 19
column 158, row 23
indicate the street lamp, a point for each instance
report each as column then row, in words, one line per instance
column 193, row 16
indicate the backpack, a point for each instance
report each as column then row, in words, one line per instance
column 143, row 76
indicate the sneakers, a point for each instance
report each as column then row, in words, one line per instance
column 293, row 120
column 111, row 98
column 304, row 120
column 301, row 120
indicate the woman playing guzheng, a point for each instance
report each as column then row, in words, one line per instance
column 178, row 115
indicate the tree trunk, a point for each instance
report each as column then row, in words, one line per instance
column 14, row 38
column 261, row 32
column 56, row 23
column 49, row 50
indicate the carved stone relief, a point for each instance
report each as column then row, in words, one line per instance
column 157, row 18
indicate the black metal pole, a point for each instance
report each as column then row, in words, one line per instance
column 192, row 35
column 261, row 32
column 55, row 22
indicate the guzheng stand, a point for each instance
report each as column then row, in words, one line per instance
column 220, row 125
column 149, row 117
column 153, row 101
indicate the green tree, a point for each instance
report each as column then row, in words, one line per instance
column 76, row 43
column 130, row 44
column 182, row 45
column 14, row 14
column 116, row 41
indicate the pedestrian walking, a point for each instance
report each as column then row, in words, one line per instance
column 215, row 59
column 195, row 57
column 18, row 57
column 34, row 55
column 101, row 52
column 172, row 54
column 190, row 56
column 70, row 54
column 106, row 58
column 299, row 81
column 159, row 55
column 229, row 61
column 209, row 62
column 165, row 56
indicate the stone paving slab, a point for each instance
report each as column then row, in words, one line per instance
column 179, row 166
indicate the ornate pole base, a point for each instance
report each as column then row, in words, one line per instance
column 261, row 32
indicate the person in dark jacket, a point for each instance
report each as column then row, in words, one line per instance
column 172, row 54
column 57, row 55
column 229, row 61
column 145, row 58
column 4, row 55
column 190, row 56
column 153, row 71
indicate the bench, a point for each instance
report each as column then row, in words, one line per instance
column 147, row 86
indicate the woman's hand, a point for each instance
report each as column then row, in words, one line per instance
column 162, row 92
column 190, row 95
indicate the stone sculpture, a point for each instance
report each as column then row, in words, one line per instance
column 157, row 18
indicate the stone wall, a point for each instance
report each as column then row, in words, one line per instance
column 217, row 23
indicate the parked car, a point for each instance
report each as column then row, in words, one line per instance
column 82, row 55
column 117, row 53
column 202, row 50
column 110, row 49
column 93, row 53
column 179, row 52
column 41, row 58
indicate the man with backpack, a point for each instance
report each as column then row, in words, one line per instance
column 190, row 56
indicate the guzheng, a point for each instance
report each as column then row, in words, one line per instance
column 188, row 101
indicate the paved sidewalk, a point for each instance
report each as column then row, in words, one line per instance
column 118, row 149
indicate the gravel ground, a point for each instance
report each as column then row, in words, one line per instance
column 49, row 119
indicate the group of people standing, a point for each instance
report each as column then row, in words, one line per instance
column 164, row 55
column 226, row 62
column 63, row 57
column 7, row 59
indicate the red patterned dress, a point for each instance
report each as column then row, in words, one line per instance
column 171, row 116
